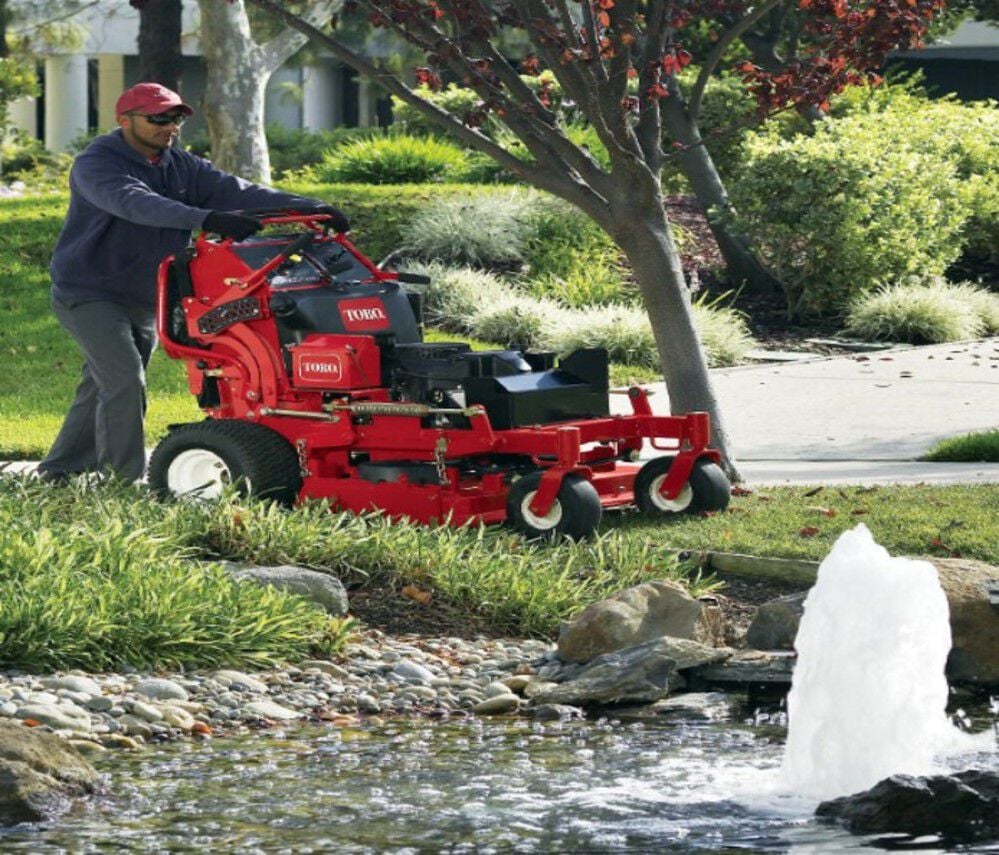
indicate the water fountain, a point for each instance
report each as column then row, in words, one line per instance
column 869, row 693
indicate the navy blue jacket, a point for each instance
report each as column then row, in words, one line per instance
column 127, row 214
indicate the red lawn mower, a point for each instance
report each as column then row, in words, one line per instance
column 310, row 364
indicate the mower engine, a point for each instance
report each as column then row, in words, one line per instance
column 310, row 364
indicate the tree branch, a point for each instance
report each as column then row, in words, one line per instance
column 278, row 50
column 718, row 52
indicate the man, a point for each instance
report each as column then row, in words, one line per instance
column 134, row 199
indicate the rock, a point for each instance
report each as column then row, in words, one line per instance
column 145, row 712
column 411, row 672
column 557, row 712
column 322, row 588
column 119, row 740
column 269, row 709
column 86, row 746
column 496, row 688
column 244, row 681
column 963, row 808
column 162, row 690
column 776, row 623
column 135, row 726
column 330, row 668
column 746, row 667
column 39, row 772
column 100, row 703
column 73, row 683
column 516, row 683
column 637, row 615
column 640, row 674
column 497, row 704
column 695, row 707
column 57, row 717
column 974, row 621
column 178, row 717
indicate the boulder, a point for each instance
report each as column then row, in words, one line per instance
column 39, row 774
column 639, row 674
column 962, row 808
column 322, row 588
column 974, row 620
column 637, row 615
column 776, row 623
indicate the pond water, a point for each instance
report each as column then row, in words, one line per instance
column 464, row 786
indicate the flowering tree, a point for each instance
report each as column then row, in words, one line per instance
column 619, row 62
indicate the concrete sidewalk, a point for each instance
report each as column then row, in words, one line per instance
column 861, row 418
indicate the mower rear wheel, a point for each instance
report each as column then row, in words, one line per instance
column 203, row 458
column 707, row 489
column 575, row 512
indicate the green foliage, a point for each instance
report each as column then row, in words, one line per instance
column 392, row 159
column 457, row 100
column 979, row 447
column 571, row 259
column 17, row 80
column 21, row 153
column 524, row 589
column 924, row 312
column 104, row 578
column 486, row 231
column 470, row 302
column 853, row 206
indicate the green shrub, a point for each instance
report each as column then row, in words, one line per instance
column 392, row 159
column 919, row 312
column 486, row 231
column 838, row 213
column 979, row 447
column 295, row 149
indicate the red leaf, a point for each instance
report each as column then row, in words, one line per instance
column 808, row 531
column 737, row 490
column 603, row 19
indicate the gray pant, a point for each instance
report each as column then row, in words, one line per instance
column 103, row 428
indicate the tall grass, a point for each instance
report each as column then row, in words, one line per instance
column 924, row 311
column 104, row 578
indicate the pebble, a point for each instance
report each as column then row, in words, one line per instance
column 377, row 677
column 162, row 690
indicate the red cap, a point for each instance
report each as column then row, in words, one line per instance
column 150, row 98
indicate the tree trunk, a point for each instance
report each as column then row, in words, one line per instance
column 234, row 95
column 696, row 163
column 648, row 245
column 160, row 59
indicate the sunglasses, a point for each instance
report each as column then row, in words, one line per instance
column 163, row 119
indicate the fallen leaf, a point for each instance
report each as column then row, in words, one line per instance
column 738, row 490
column 31, row 722
column 200, row 727
column 814, row 491
column 763, row 497
column 417, row 594
column 826, row 512
column 857, row 512
column 808, row 531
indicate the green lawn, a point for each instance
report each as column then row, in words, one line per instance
column 803, row 522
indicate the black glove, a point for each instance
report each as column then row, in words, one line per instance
column 338, row 219
column 232, row 225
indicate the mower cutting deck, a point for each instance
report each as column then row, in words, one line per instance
column 310, row 365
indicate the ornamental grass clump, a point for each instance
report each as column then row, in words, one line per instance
column 919, row 312
column 456, row 295
column 487, row 232
column 105, row 577
column 390, row 159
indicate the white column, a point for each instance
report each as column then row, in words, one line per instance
column 65, row 100
column 110, row 84
column 23, row 115
column 321, row 107
column 366, row 116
